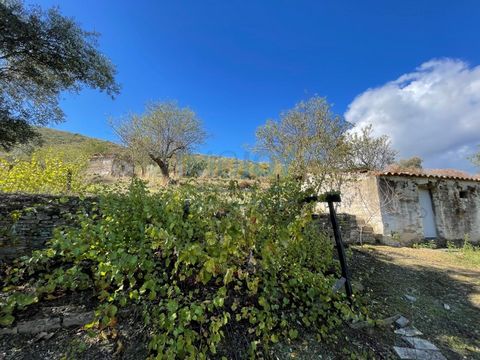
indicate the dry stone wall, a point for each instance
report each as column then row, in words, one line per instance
column 27, row 221
column 352, row 229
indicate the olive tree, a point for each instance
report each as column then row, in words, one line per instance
column 307, row 139
column 43, row 53
column 162, row 133
column 307, row 136
column 368, row 152
column 413, row 163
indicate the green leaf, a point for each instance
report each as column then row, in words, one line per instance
column 228, row 276
column 6, row 320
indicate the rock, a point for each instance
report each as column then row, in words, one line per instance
column 446, row 306
column 419, row 343
column 338, row 284
column 8, row 331
column 402, row 321
column 388, row 321
column 408, row 353
column 410, row 298
column 36, row 326
column 42, row 336
column 409, row 331
column 78, row 319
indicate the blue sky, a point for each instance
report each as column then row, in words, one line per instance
column 237, row 63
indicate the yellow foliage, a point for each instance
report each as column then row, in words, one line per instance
column 42, row 173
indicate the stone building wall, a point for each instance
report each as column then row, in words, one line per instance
column 456, row 207
column 352, row 229
column 27, row 221
column 110, row 165
column 360, row 197
column 391, row 206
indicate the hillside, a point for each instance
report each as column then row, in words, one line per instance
column 54, row 138
column 73, row 146
column 70, row 145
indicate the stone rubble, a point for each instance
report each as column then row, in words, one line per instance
column 410, row 298
column 36, row 326
column 409, row 353
column 419, row 343
column 40, row 326
column 402, row 321
column 77, row 319
column 408, row 331
column 420, row 349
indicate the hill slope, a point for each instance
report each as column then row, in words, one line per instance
column 53, row 138
column 73, row 146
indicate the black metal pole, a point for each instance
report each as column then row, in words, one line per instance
column 340, row 248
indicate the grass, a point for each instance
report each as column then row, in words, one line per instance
column 468, row 254
column 469, row 257
column 436, row 278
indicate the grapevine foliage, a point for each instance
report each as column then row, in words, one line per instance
column 42, row 173
column 197, row 262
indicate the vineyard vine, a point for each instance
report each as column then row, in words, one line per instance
column 195, row 261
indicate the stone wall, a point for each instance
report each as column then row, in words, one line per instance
column 360, row 197
column 110, row 166
column 27, row 221
column 391, row 206
column 352, row 229
column 456, row 207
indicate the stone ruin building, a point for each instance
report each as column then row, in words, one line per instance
column 403, row 208
column 110, row 165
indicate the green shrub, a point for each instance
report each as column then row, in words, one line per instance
column 195, row 168
column 196, row 260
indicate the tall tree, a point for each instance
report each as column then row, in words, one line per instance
column 309, row 138
column 163, row 132
column 43, row 53
column 369, row 152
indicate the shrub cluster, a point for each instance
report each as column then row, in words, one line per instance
column 203, row 264
column 42, row 173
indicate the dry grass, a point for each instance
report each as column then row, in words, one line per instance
column 435, row 277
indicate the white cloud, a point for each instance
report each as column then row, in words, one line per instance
column 433, row 112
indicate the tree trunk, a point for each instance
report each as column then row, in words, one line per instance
column 163, row 167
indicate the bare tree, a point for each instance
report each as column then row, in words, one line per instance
column 163, row 132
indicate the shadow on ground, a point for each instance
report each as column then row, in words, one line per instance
column 447, row 305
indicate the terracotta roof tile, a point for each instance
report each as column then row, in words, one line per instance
column 434, row 174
